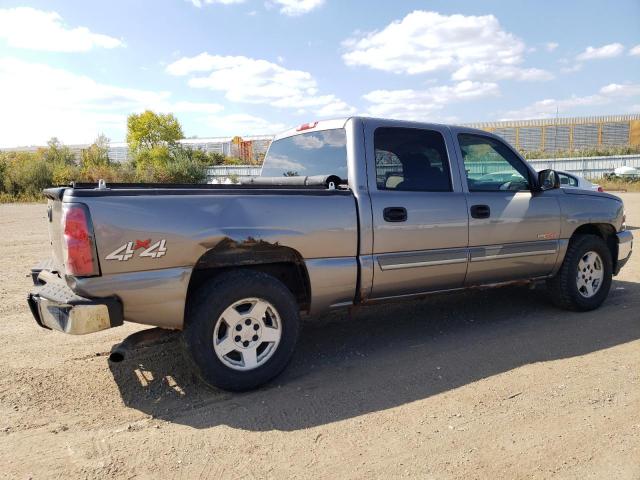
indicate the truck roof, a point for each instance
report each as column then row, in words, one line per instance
column 341, row 122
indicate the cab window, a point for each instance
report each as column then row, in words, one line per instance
column 314, row 153
column 411, row 159
column 567, row 180
column 491, row 166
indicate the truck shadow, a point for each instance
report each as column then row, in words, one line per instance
column 383, row 357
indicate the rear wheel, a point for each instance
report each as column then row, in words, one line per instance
column 584, row 279
column 241, row 329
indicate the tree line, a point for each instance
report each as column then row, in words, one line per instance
column 154, row 156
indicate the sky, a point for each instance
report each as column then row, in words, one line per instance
column 74, row 69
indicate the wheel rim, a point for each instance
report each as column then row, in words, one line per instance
column 590, row 274
column 247, row 334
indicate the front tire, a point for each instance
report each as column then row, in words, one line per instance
column 241, row 329
column 584, row 279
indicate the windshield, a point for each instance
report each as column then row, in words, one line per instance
column 313, row 153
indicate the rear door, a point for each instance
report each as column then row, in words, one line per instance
column 420, row 220
column 513, row 231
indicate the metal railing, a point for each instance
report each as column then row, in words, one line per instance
column 587, row 167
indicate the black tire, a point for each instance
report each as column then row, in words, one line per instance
column 208, row 304
column 563, row 287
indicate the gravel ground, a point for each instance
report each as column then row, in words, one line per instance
column 483, row 384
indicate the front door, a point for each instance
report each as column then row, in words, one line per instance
column 420, row 219
column 513, row 230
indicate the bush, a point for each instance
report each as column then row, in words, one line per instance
column 25, row 174
column 170, row 164
column 64, row 174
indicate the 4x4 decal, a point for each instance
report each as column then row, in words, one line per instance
column 128, row 250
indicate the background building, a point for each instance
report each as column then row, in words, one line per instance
column 565, row 134
column 549, row 135
column 250, row 149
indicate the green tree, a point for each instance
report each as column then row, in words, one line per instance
column 57, row 153
column 150, row 129
column 97, row 155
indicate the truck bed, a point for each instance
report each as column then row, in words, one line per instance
column 150, row 238
column 91, row 189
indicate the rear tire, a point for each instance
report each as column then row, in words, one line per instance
column 584, row 279
column 241, row 329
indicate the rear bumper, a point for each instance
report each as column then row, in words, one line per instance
column 625, row 247
column 54, row 306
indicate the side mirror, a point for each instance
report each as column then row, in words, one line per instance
column 548, row 180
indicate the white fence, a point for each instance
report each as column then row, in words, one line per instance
column 588, row 167
column 224, row 173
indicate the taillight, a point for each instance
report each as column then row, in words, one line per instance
column 600, row 189
column 79, row 249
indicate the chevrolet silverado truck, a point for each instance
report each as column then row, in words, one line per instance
column 345, row 213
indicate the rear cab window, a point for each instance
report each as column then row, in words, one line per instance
column 411, row 159
column 321, row 152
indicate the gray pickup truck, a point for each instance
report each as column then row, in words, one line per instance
column 346, row 212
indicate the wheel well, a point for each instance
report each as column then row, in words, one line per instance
column 283, row 263
column 605, row 231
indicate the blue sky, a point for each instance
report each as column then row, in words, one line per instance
column 74, row 69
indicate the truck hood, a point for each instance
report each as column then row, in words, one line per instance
column 590, row 193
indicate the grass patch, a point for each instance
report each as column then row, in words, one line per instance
column 22, row 198
column 601, row 151
column 618, row 185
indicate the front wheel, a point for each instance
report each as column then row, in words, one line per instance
column 241, row 329
column 584, row 279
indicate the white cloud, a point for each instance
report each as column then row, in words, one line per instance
column 621, row 90
column 567, row 106
column 606, row 51
column 635, row 51
column 551, row 46
column 500, row 72
column 242, row 123
column 39, row 101
column 26, row 27
column 573, row 68
column 249, row 80
column 199, row 3
column 412, row 104
column 471, row 46
column 293, row 8
column 337, row 108
column 192, row 107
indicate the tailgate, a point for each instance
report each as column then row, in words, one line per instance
column 54, row 225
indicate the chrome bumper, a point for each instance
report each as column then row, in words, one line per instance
column 54, row 306
column 625, row 247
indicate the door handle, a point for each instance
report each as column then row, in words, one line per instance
column 480, row 211
column 395, row 214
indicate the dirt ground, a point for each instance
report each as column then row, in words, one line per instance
column 485, row 384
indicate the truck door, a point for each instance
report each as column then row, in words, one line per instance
column 513, row 231
column 420, row 215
